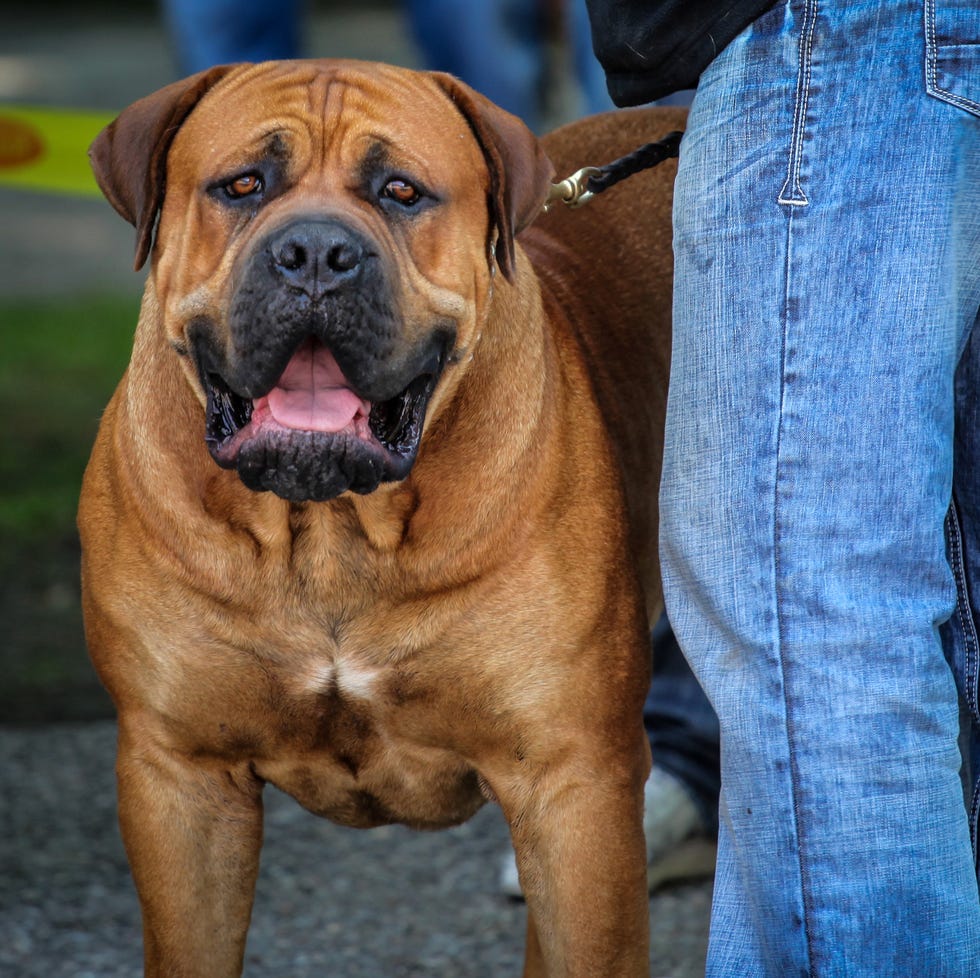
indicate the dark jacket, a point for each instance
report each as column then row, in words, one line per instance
column 651, row 48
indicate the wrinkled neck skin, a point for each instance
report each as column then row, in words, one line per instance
column 485, row 442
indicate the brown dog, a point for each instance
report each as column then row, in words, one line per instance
column 435, row 604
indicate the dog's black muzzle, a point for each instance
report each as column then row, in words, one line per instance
column 314, row 322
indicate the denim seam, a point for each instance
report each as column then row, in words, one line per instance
column 792, row 192
column 932, row 65
column 780, row 633
column 971, row 648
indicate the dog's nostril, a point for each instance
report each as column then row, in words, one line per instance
column 317, row 257
column 290, row 256
column 343, row 257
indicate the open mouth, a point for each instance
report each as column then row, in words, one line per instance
column 312, row 436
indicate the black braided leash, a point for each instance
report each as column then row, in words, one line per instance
column 584, row 184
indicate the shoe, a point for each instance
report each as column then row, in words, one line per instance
column 679, row 847
column 510, row 883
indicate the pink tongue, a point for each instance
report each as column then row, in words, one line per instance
column 312, row 394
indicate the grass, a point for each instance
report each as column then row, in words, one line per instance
column 60, row 361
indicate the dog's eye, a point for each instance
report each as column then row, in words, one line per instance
column 244, row 186
column 401, row 192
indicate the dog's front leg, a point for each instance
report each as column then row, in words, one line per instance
column 582, row 861
column 193, row 831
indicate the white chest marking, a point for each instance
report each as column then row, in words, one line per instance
column 356, row 681
column 347, row 679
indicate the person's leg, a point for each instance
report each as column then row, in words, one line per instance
column 953, row 73
column 827, row 260
column 214, row 32
column 960, row 634
column 495, row 47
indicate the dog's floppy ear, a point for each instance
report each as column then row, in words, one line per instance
column 520, row 172
column 129, row 156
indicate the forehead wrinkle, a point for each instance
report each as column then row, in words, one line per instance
column 326, row 103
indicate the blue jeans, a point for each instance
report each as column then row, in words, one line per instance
column 215, row 32
column 827, row 243
column 499, row 47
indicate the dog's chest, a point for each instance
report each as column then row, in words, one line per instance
column 339, row 686
column 363, row 745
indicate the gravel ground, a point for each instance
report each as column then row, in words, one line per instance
column 331, row 901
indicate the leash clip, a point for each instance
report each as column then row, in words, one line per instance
column 573, row 190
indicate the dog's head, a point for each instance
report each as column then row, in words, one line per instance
column 324, row 236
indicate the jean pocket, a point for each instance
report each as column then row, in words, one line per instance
column 953, row 52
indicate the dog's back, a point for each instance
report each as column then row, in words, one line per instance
column 623, row 234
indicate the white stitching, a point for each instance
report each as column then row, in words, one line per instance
column 971, row 650
column 792, row 191
column 932, row 65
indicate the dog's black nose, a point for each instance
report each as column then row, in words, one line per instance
column 317, row 257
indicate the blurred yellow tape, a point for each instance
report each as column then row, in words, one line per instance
column 47, row 149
